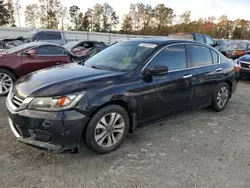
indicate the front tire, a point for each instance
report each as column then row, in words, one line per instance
column 221, row 97
column 7, row 80
column 107, row 129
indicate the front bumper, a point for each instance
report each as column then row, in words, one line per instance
column 244, row 72
column 55, row 131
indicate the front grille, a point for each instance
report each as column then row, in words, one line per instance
column 245, row 65
column 17, row 102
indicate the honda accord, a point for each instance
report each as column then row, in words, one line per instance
column 129, row 84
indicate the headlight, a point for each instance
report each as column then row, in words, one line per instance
column 55, row 103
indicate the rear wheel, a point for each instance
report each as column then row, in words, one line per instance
column 7, row 80
column 221, row 97
column 107, row 129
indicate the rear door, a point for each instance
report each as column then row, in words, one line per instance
column 206, row 73
column 47, row 56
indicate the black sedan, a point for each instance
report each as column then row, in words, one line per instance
column 127, row 85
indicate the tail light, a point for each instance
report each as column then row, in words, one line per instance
column 236, row 68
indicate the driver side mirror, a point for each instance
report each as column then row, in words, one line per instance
column 157, row 70
column 31, row 53
column 216, row 44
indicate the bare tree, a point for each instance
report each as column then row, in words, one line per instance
column 49, row 16
column 62, row 14
column 32, row 15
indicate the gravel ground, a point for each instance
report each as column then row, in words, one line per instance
column 201, row 149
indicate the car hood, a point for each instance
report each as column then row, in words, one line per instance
column 245, row 58
column 62, row 80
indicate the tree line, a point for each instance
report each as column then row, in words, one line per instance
column 142, row 19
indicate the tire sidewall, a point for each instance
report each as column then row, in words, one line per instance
column 11, row 75
column 90, row 131
column 215, row 105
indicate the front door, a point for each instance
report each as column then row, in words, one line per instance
column 165, row 95
column 47, row 56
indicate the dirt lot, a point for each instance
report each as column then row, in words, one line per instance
column 202, row 149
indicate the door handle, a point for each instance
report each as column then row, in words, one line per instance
column 187, row 76
column 219, row 69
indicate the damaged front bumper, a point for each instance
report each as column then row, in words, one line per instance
column 54, row 131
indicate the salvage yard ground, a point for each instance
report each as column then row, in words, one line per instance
column 202, row 149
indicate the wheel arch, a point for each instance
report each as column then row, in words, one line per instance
column 124, row 102
column 11, row 70
column 229, row 82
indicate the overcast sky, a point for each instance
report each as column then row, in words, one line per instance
column 200, row 8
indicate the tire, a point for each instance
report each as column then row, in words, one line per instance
column 9, row 79
column 223, row 90
column 94, row 135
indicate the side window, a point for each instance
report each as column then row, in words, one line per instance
column 50, row 50
column 209, row 40
column 215, row 57
column 54, row 36
column 199, row 38
column 48, row 36
column 174, row 57
column 199, row 56
column 40, row 36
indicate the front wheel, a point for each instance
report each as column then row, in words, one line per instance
column 221, row 97
column 107, row 129
column 7, row 80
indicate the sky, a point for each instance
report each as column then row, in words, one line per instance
column 200, row 8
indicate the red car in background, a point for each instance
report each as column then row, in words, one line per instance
column 21, row 60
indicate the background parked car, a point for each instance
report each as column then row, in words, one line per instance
column 244, row 64
column 200, row 38
column 51, row 36
column 236, row 50
column 85, row 48
column 10, row 42
column 26, row 58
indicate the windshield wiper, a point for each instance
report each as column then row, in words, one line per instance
column 95, row 67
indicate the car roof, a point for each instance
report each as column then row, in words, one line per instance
column 165, row 41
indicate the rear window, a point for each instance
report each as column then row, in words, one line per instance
column 48, row 36
column 197, row 59
column 181, row 36
column 215, row 57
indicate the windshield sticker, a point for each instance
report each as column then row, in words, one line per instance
column 147, row 45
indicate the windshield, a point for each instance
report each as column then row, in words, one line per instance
column 18, row 48
column 71, row 44
column 124, row 56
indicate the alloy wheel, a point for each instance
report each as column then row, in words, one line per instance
column 109, row 130
column 5, row 83
column 222, row 97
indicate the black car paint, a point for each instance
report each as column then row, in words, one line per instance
column 147, row 100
